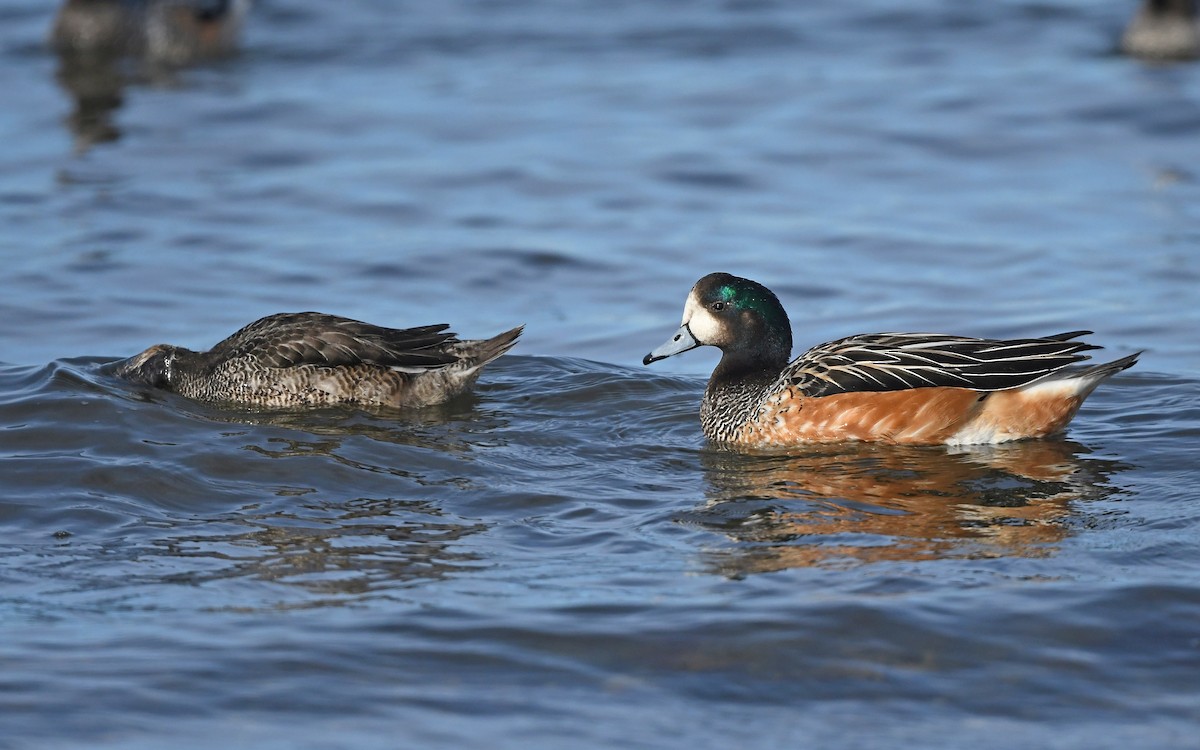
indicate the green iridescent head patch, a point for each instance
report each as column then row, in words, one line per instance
column 748, row 295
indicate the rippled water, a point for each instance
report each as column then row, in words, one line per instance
column 559, row 560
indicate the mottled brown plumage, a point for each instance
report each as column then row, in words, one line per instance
column 314, row 359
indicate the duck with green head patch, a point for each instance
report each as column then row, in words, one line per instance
column 917, row 388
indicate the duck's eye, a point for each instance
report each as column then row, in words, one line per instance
column 718, row 306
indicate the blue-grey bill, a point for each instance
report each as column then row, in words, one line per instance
column 680, row 342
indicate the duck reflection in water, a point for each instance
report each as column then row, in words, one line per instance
column 334, row 552
column 863, row 503
column 102, row 45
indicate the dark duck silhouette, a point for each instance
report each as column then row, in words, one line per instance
column 1163, row 30
column 169, row 32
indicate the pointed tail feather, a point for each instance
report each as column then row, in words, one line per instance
column 1106, row 369
column 1087, row 378
column 483, row 351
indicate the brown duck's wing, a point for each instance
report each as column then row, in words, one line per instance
column 309, row 338
column 896, row 361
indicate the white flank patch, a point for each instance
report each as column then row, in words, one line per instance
column 1061, row 387
column 976, row 435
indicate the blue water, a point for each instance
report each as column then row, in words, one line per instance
column 559, row 560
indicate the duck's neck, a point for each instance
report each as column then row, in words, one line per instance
column 735, row 392
column 186, row 369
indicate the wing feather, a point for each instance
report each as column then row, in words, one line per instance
column 897, row 361
column 293, row 339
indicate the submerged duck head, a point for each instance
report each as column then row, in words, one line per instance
column 153, row 367
column 740, row 317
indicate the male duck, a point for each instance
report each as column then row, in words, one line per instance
column 891, row 387
column 314, row 359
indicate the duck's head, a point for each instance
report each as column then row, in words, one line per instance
column 740, row 317
column 153, row 367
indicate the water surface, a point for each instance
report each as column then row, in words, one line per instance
column 559, row 559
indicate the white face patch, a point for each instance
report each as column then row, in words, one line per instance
column 705, row 327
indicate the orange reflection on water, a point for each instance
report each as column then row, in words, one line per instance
column 871, row 503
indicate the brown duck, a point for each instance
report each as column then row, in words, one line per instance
column 314, row 359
